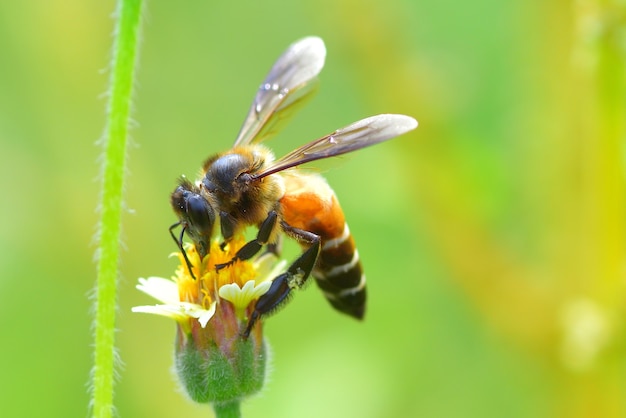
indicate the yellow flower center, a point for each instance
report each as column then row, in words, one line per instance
column 204, row 289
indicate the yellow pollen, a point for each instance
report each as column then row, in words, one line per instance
column 204, row 289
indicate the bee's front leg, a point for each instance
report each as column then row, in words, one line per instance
column 179, row 243
column 294, row 278
column 254, row 246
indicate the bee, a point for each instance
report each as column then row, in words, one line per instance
column 246, row 186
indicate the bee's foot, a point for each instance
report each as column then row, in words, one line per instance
column 220, row 266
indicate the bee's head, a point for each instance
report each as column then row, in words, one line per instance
column 195, row 214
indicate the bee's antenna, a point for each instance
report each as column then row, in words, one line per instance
column 179, row 243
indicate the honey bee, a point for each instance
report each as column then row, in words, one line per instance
column 246, row 186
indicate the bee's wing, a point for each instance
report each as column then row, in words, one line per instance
column 358, row 135
column 288, row 83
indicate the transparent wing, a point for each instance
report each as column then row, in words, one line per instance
column 358, row 135
column 288, row 83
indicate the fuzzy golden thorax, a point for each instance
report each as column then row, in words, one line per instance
column 231, row 187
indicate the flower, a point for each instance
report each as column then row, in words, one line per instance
column 214, row 361
column 188, row 300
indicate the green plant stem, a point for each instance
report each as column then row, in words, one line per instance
column 114, row 141
column 227, row 409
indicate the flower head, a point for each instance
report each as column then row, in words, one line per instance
column 211, row 306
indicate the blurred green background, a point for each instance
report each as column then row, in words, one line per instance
column 492, row 236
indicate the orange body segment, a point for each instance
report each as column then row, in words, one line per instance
column 311, row 205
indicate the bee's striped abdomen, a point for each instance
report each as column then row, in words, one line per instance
column 340, row 276
column 311, row 205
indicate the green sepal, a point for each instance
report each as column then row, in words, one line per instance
column 210, row 376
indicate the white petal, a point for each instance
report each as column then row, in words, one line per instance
column 207, row 314
column 180, row 311
column 241, row 297
column 163, row 290
column 262, row 288
column 171, row 311
column 248, row 287
column 232, row 293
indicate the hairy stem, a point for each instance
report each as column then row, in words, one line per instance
column 227, row 409
column 114, row 159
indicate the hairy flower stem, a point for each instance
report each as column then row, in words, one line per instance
column 227, row 409
column 114, row 142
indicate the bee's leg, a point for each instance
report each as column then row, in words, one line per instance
column 179, row 242
column 294, row 278
column 254, row 246
column 303, row 265
column 227, row 228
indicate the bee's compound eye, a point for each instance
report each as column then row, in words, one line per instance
column 200, row 214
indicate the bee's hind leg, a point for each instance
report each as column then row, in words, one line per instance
column 295, row 277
